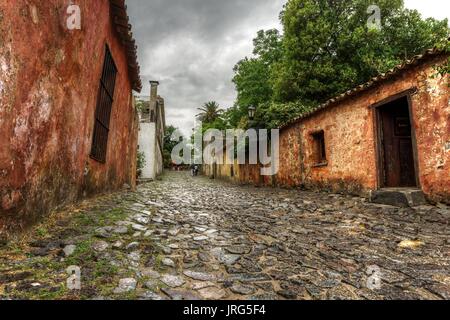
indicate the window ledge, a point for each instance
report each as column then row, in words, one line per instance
column 97, row 160
column 320, row 165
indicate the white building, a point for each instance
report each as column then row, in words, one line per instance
column 151, row 134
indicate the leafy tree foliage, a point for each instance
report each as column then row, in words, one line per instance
column 252, row 82
column 328, row 47
column 140, row 163
column 252, row 75
column 210, row 112
column 169, row 145
column 444, row 70
column 271, row 115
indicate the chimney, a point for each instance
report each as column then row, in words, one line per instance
column 154, row 90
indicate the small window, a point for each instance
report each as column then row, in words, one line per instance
column 320, row 153
column 104, row 107
column 152, row 116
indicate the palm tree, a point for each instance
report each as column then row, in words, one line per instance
column 210, row 112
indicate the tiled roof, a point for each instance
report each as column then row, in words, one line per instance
column 374, row 81
column 123, row 28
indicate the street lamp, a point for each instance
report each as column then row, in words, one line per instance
column 251, row 112
column 254, row 126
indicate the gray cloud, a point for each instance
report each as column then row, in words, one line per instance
column 191, row 46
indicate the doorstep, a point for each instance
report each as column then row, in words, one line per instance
column 399, row 197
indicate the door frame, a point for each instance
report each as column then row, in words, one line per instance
column 378, row 132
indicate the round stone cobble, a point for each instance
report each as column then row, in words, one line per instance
column 194, row 238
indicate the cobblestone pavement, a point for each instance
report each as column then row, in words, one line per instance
column 195, row 238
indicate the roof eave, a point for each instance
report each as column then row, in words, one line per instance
column 370, row 84
column 122, row 26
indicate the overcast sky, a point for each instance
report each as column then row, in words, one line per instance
column 191, row 46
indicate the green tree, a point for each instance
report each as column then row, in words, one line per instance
column 141, row 161
column 169, row 145
column 210, row 112
column 444, row 70
column 251, row 78
column 252, row 82
column 141, row 105
column 252, row 75
column 271, row 115
column 328, row 48
column 268, row 46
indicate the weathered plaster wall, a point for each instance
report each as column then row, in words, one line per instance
column 159, row 161
column 351, row 140
column 350, row 151
column 290, row 172
column 48, row 90
column 131, row 159
column 238, row 173
column 147, row 145
column 431, row 115
column 224, row 171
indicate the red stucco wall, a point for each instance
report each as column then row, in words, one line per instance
column 49, row 82
column 290, row 169
column 431, row 114
column 351, row 140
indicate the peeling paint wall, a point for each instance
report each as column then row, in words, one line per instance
column 350, row 138
column 431, row 114
column 245, row 174
column 351, row 141
column 290, row 172
column 49, row 82
column 147, row 145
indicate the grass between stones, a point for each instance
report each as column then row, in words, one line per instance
column 30, row 276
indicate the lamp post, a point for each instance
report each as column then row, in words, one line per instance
column 252, row 122
column 251, row 112
column 253, row 126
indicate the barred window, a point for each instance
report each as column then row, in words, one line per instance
column 104, row 107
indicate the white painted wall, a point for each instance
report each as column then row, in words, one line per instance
column 151, row 135
column 147, row 145
column 159, row 163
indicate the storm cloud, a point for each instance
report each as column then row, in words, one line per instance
column 191, row 47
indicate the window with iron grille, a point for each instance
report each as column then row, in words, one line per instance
column 104, row 107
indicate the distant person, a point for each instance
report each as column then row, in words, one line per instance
column 195, row 170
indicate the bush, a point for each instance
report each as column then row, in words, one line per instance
column 140, row 163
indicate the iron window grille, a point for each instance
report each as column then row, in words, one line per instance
column 103, row 111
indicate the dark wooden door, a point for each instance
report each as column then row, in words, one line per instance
column 399, row 169
column 214, row 170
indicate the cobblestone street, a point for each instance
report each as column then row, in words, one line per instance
column 195, row 238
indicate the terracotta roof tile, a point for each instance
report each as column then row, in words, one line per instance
column 123, row 28
column 374, row 81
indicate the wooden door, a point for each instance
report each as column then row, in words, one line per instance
column 214, row 170
column 398, row 156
